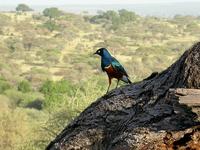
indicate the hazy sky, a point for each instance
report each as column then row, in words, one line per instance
column 61, row 2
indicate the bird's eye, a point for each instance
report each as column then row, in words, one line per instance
column 99, row 52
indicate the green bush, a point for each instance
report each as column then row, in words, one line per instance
column 51, row 25
column 24, row 86
column 55, row 93
column 14, row 44
column 20, row 99
column 4, row 85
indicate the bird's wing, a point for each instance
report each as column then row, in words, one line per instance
column 116, row 65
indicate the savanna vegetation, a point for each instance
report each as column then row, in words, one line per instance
column 48, row 73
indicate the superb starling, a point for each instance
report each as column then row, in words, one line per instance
column 112, row 67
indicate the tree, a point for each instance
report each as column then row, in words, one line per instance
column 23, row 8
column 136, row 116
column 52, row 12
column 106, row 17
column 126, row 16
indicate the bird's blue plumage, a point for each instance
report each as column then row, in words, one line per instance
column 116, row 65
column 106, row 59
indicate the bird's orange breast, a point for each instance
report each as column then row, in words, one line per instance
column 109, row 69
column 112, row 72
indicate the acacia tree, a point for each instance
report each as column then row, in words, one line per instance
column 126, row 16
column 52, row 12
column 23, row 8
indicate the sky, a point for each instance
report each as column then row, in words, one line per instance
column 61, row 2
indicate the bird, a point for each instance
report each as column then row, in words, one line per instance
column 112, row 67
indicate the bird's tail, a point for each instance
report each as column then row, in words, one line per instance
column 126, row 79
column 129, row 81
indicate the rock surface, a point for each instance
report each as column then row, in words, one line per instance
column 144, row 115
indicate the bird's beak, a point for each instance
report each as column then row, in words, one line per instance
column 95, row 53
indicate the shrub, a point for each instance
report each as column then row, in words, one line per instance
column 55, row 93
column 51, row 26
column 24, row 86
column 20, row 99
column 4, row 85
column 14, row 44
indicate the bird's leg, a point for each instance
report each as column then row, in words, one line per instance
column 117, row 83
column 109, row 84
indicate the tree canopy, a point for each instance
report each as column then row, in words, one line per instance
column 23, row 8
column 114, row 18
column 52, row 12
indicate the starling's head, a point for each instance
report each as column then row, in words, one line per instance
column 101, row 51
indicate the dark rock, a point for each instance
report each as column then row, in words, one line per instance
column 144, row 115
